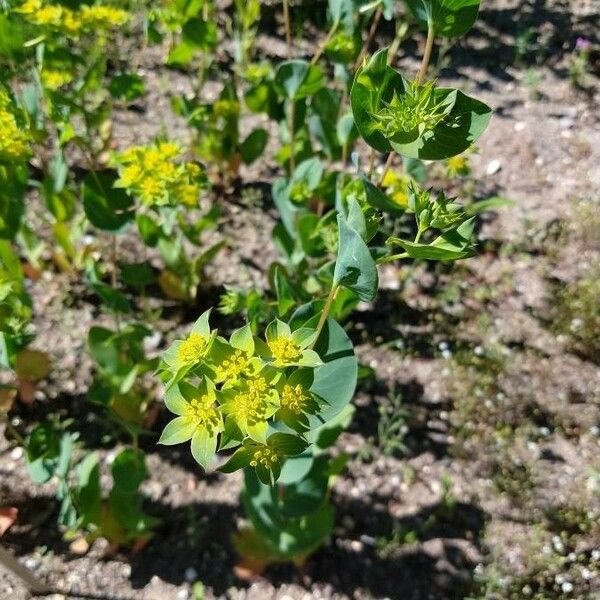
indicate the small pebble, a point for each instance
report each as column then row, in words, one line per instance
column 493, row 167
column 191, row 574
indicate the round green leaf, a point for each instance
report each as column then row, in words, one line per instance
column 451, row 18
column 106, row 207
column 298, row 79
column 417, row 121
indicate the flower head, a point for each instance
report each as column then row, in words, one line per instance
column 154, row 174
column 286, row 348
column 192, row 349
column 14, row 142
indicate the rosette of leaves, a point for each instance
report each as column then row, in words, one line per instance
column 417, row 120
column 260, row 396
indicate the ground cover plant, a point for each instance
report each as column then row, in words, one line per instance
column 280, row 334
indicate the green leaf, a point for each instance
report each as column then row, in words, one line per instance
column 298, row 79
column 451, row 18
column 451, row 245
column 106, row 207
column 489, row 204
column 287, row 444
column 240, row 459
column 355, row 268
column 13, row 185
column 463, row 126
column 200, row 33
column 179, row 430
column 378, row 199
column 150, row 231
column 129, row 470
column 285, row 295
column 448, row 123
column 204, row 447
column 127, row 86
column 374, row 83
column 112, row 298
column 89, row 494
column 137, row 275
column 254, row 145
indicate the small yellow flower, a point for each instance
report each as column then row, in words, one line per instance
column 192, row 349
column 193, row 170
column 458, row 166
column 294, row 398
column 53, row 80
column 187, row 194
column 265, row 456
column 14, row 143
column 166, row 170
column 103, row 16
column 202, row 413
column 284, row 350
column 151, row 158
column 234, row 366
column 130, row 175
column 169, row 150
column 151, row 189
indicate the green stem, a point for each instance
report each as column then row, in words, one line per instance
column 418, row 236
column 388, row 164
column 288, row 27
column 292, row 126
column 326, row 41
column 387, row 259
column 326, row 309
column 369, row 40
column 371, row 163
column 427, row 55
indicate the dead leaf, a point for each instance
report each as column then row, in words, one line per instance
column 8, row 516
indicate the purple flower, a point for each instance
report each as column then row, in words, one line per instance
column 583, row 44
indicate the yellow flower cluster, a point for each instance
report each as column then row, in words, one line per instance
column 294, row 398
column 202, row 412
column 192, row 349
column 14, row 143
column 72, row 22
column 235, row 365
column 53, row 79
column 154, row 175
column 252, row 403
column 284, row 350
column 265, row 456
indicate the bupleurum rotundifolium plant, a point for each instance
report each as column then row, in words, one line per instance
column 237, row 393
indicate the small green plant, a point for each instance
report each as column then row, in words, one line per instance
column 280, row 399
column 118, row 516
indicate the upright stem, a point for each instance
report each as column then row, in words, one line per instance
column 113, row 276
column 321, row 49
column 367, row 44
column 372, row 163
column 388, row 164
column 292, row 126
column 288, row 27
column 326, row 310
column 427, row 55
